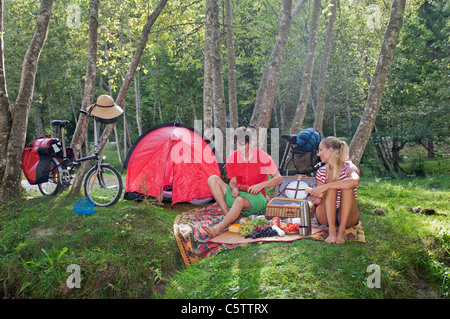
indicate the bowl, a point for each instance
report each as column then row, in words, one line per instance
column 84, row 206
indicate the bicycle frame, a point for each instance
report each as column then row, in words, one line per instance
column 66, row 164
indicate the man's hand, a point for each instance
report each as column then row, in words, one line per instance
column 255, row 189
column 235, row 192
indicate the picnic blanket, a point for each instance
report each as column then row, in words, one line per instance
column 195, row 244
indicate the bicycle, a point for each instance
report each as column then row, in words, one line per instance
column 295, row 160
column 102, row 183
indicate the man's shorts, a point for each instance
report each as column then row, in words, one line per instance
column 258, row 201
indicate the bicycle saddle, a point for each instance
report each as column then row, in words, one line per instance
column 60, row 123
column 290, row 138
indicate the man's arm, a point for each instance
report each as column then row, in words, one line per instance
column 234, row 187
column 276, row 179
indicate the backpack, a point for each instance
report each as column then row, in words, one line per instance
column 305, row 152
column 308, row 139
column 37, row 158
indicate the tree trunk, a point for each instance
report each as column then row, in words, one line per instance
column 208, row 71
column 308, row 71
column 265, row 96
column 137, row 93
column 5, row 107
column 89, row 87
column 123, row 91
column 232, row 89
column 367, row 122
column 320, row 106
column 11, row 182
column 219, row 109
column 279, row 47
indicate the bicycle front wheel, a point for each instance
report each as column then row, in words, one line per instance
column 104, row 185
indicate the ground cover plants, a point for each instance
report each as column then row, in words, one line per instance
column 129, row 251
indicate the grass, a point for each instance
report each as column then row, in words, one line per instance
column 129, row 251
column 123, row 252
column 412, row 251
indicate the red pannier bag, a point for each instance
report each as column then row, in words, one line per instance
column 37, row 159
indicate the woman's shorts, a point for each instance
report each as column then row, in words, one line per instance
column 258, row 201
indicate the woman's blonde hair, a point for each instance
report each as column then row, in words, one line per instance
column 340, row 154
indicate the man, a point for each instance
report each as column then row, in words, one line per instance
column 247, row 166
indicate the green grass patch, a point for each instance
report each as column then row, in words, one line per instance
column 129, row 251
column 126, row 251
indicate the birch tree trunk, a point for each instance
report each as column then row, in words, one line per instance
column 137, row 93
column 219, row 109
column 320, row 106
column 279, row 48
column 232, row 89
column 265, row 96
column 308, row 71
column 367, row 122
column 208, row 71
column 11, row 182
column 77, row 183
column 5, row 107
column 89, row 86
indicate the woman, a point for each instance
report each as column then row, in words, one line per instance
column 337, row 181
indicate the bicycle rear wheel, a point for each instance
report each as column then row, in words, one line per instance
column 103, row 186
column 52, row 186
column 288, row 167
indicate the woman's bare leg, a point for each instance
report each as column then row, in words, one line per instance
column 326, row 214
column 330, row 209
column 348, row 213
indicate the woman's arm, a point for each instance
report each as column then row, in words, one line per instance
column 350, row 182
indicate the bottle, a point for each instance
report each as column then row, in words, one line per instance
column 305, row 216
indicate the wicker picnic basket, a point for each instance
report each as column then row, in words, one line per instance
column 290, row 197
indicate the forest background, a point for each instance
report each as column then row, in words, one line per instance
column 170, row 82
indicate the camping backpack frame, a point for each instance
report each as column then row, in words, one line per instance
column 300, row 154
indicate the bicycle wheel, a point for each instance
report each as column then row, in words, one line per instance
column 104, row 186
column 52, row 186
column 288, row 167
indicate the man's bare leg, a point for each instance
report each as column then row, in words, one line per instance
column 218, row 189
column 240, row 204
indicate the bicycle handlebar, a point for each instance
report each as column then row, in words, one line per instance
column 246, row 121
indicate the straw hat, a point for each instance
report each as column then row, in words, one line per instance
column 105, row 108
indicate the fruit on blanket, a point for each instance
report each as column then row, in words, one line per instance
column 276, row 221
column 243, row 220
column 249, row 226
column 262, row 232
column 234, row 228
column 290, row 227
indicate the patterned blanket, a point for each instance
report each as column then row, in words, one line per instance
column 195, row 244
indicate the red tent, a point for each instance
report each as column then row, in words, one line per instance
column 170, row 161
